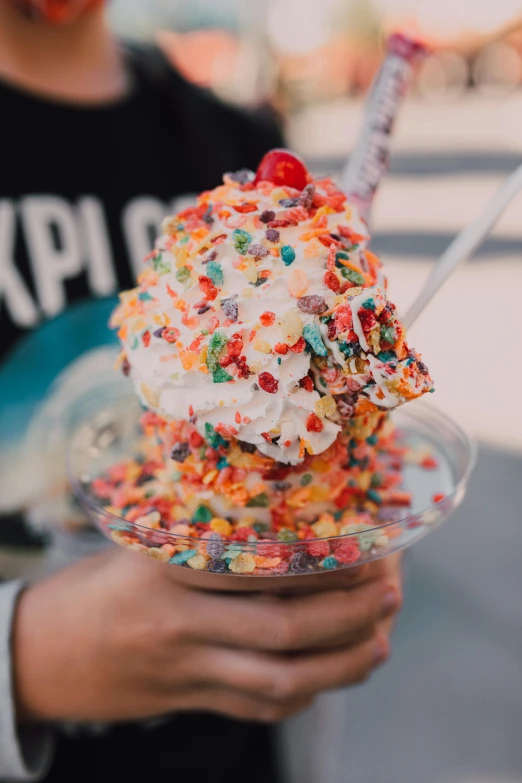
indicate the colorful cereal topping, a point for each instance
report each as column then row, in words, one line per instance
column 199, row 316
column 218, row 505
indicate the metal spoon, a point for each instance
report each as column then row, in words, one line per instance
column 465, row 244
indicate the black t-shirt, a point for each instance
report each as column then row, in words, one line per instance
column 83, row 188
column 82, row 193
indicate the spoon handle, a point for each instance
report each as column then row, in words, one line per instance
column 465, row 244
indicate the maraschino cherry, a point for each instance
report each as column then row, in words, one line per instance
column 283, row 167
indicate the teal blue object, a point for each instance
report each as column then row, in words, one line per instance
column 347, row 349
column 387, row 356
column 288, row 255
column 329, row 563
column 215, row 272
column 39, row 356
column 374, row 496
column 182, row 557
column 312, row 335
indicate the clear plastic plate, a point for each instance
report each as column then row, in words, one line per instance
column 114, row 435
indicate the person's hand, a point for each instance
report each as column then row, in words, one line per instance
column 115, row 637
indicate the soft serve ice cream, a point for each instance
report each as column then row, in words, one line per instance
column 262, row 344
column 262, row 316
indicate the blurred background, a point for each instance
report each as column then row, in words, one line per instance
column 448, row 709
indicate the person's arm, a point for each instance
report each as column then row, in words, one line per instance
column 25, row 750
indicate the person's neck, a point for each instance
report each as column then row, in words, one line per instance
column 79, row 63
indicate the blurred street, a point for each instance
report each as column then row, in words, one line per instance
column 448, row 707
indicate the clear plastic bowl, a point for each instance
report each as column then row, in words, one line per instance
column 114, row 434
column 77, row 395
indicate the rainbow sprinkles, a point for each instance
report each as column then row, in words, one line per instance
column 261, row 340
column 262, row 313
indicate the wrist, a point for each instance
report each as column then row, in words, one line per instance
column 43, row 651
column 25, row 749
column 25, row 667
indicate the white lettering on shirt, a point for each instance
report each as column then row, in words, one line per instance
column 97, row 247
column 52, row 261
column 64, row 239
column 13, row 292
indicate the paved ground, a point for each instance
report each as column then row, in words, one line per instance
column 448, row 708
